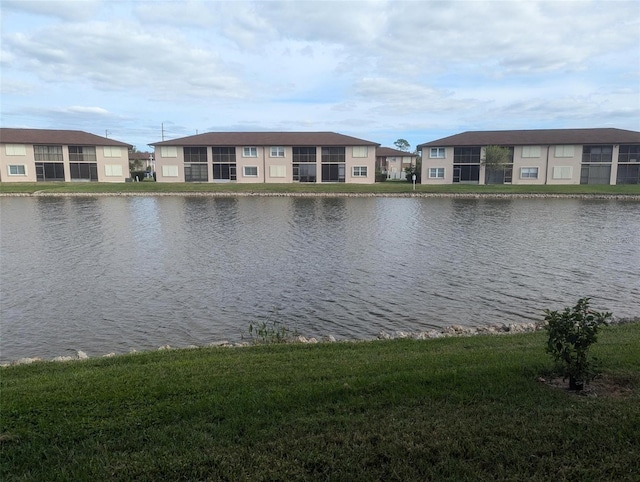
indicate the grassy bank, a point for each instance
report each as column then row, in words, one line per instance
column 444, row 409
column 383, row 187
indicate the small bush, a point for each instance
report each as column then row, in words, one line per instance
column 571, row 334
column 270, row 331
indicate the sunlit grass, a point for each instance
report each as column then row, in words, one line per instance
column 406, row 410
column 378, row 188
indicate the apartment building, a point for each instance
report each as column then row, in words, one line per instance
column 266, row 157
column 545, row 156
column 30, row 155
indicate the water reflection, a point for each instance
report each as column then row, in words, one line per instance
column 118, row 273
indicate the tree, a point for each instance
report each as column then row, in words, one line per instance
column 496, row 158
column 402, row 145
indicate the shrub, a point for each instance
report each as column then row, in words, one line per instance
column 571, row 333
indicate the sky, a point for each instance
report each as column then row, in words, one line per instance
column 380, row 70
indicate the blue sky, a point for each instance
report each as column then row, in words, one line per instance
column 379, row 70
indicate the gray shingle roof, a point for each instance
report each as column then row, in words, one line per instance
column 267, row 139
column 55, row 137
column 538, row 137
column 389, row 152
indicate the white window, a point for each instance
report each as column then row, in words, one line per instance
column 436, row 152
column 562, row 172
column 277, row 171
column 436, row 173
column 113, row 170
column 249, row 152
column 15, row 150
column 169, row 151
column 564, row 151
column 112, row 151
column 360, row 171
column 530, row 151
column 277, row 151
column 250, row 171
column 17, row 170
column 360, row 151
column 170, row 171
column 528, row 173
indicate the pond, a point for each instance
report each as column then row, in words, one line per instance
column 113, row 274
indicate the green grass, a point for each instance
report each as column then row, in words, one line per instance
column 404, row 410
column 384, row 187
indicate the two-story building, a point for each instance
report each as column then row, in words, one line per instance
column 30, row 155
column 545, row 156
column 266, row 157
column 393, row 162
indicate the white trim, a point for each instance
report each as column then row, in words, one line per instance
column 23, row 166
column 244, row 171
column 250, row 151
column 437, row 152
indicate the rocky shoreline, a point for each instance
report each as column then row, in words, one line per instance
column 476, row 195
column 444, row 332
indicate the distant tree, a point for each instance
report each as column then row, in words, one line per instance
column 402, row 145
column 496, row 158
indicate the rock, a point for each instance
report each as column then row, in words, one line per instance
column 109, row 355
column 82, row 355
column 384, row 336
column 63, row 358
column 164, row 347
column 26, row 361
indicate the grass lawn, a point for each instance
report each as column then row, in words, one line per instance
column 397, row 410
column 379, row 188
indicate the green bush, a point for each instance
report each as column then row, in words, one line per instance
column 571, row 333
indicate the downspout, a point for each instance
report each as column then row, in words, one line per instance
column 264, row 166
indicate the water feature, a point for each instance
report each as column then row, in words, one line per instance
column 112, row 274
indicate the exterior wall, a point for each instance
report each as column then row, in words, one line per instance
column 269, row 168
column 102, row 161
column 446, row 163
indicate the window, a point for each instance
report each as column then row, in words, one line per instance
column 562, row 172
column 628, row 174
column 436, row 173
column 224, row 163
column 466, row 173
column 360, row 151
column 15, row 150
column 113, row 170
column 49, row 171
column 597, row 154
column 629, row 154
column 249, row 152
column 437, row 153
column 17, row 170
column 83, row 171
column 466, row 155
column 277, row 151
column 170, row 171
column 196, row 172
column 333, row 173
column 47, row 153
column 360, row 171
column 169, row 151
column 112, row 151
column 333, row 154
column 304, row 172
column 595, row 174
column 564, row 151
column 277, row 171
column 304, row 154
column 195, row 154
column 528, row 173
column 250, row 171
column 82, row 154
column 530, row 151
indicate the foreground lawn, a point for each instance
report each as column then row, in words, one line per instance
column 382, row 188
column 404, row 410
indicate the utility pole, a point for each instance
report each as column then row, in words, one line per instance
column 162, row 130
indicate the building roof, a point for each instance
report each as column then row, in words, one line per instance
column 267, row 139
column 389, row 152
column 538, row 137
column 55, row 137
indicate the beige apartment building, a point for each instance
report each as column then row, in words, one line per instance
column 545, row 156
column 393, row 162
column 266, row 157
column 30, row 155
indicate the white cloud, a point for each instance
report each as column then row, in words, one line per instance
column 64, row 9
